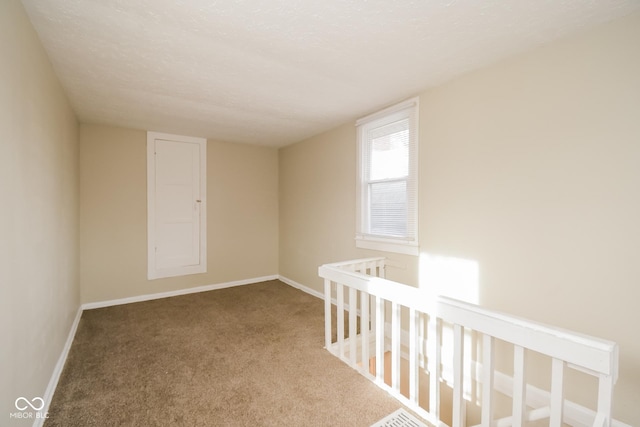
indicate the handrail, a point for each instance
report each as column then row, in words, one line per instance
column 595, row 356
column 498, row 324
column 589, row 352
column 354, row 262
column 378, row 286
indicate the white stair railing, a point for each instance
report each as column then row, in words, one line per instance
column 377, row 310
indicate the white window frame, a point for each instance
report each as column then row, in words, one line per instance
column 364, row 239
column 152, row 271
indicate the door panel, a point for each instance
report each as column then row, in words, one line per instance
column 177, row 201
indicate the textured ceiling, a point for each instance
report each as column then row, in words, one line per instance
column 273, row 72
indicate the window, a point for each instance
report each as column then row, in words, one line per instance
column 387, row 179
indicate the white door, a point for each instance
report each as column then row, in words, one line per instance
column 176, row 205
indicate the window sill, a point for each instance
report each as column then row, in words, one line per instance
column 385, row 245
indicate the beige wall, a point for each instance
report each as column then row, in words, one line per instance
column 318, row 209
column 242, row 220
column 39, row 288
column 529, row 168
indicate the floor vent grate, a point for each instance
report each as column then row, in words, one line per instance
column 400, row 418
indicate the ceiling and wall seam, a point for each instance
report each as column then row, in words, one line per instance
column 277, row 72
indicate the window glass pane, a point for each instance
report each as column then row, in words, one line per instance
column 388, row 209
column 390, row 151
column 387, row 179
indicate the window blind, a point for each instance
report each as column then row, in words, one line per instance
column 388, row 174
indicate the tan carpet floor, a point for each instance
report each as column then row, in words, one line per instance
column 246, row 356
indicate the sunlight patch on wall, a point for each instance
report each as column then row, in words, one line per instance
column 451, row 277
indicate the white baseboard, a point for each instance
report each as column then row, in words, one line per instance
column 149, row 297
column 301, row 287
column 57, row 370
